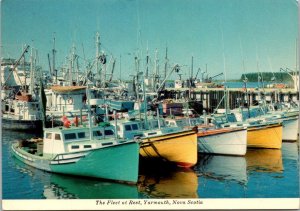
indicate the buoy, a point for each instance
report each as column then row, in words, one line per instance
column 67, row 123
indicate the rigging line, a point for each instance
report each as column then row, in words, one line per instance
column 223, row 52
column 139, row 43
column 242, row 54
column 257, row 66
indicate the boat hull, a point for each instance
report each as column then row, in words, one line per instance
column 268, row 136
column 223, row 141
column 12, row 124
column 118, row 162
column 179, row 148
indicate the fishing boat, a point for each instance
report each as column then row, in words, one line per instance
column 21, row 113
column 158, row 141
column 289, row 119
column 20, row 101
column 226, row 141
column 81, row 151
column 260, row 134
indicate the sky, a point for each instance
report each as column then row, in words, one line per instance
column 218, row 34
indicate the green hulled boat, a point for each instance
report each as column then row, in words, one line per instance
column 82, row 151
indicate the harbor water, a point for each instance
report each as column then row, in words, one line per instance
column 262, row 173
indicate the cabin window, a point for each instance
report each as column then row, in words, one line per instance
column 87, row 146
column 153, row 133
column 70, row 136
column 127, row 127
column 107, row 143
column 135, row 127
column 81, row 135
column 97, row 133
column 108, row 132
column 48, row 135
column 74, row 146
column 57, row 137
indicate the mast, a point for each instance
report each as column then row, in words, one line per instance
column 53, row 60
column 156, row 76
column 137, row 85
column 73, row 62
column 120, row 67
column 24, row 69
column 147, row 62
column 226, row 101
column 296, row 79
column 89, row 110
column 191, row 78
column 145, row 103
column 192, row 68
column 166, row 63
column 31, row 72
column 97, row 54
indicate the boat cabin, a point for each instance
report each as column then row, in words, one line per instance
column 21, row 110
column 62, row 140
column 129, row 129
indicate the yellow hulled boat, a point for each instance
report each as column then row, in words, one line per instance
column 177, row 147
column 265, row 136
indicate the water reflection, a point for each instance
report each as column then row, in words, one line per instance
column 235, row 169
column 161, row 180
column 264, row 160
column 178, row 184
column 229, row 168
column 290, row 150
column 68, row 187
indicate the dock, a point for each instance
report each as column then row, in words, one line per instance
column 212, row 98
